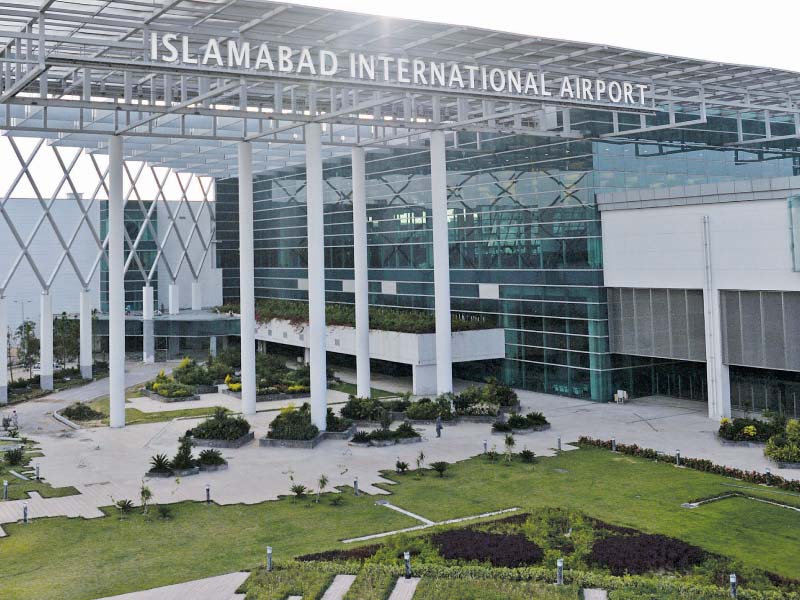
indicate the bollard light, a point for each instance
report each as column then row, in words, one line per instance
column 769, row 475
column 25, row 512
column 733, row 585
column 678, row 458
column 560, row 571
column 37, row 473
column 355, row 486
column 485, row 447
column 613, row 444
column 559, row 443
column 5, row 489
column 208, row 493
column 407, row 559
column 269, row 558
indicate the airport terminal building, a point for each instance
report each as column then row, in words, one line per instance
column 630, row 220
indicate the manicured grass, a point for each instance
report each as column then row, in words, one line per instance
column 18, row 489
column 371, row 585
column 134, row 416
column 350, row 389
column 72, row 559
column 296, row 580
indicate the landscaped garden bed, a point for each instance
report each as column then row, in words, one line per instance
column 184, row 464
column 221, row 430
column 748, row 432
column 82, row 414
column 166, row 389
column 404, row 434
column 293, row 428
column 519, row 424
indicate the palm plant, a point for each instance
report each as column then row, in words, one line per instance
column 440, row 467
column 322, row 483
column 145, row 495
column 160, row 464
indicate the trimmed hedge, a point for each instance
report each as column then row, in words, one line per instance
column 221, row 426
column 499, row 550
column 293, row 424
column 82, row 412
column 642, row 553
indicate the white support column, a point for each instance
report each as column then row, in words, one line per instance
column 148, row 328
column 441, row 264
column 174, row 299
column 4, row 351
column 116, row 284
column 247, row 308
column 212, row 346
column 85, row 361
column 197, row 296
column 361, row 272
column 46, row 341
column 717, row 372
column 316, row 274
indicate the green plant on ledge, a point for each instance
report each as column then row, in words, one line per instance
column 293, row 424
column 785, row 447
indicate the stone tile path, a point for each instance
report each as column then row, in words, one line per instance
column 339, row 587
column 404, row 588
column 222, row 587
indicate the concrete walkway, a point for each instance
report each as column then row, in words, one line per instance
column 222, row 587
column 339, row 587
column 404, row 589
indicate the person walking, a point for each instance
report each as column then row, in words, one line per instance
column 14, row 419
column 439, row 426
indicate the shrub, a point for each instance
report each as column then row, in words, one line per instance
column 335, row 423
column 440, row 467
column 124, row 506
column 527, row 456
column 164, row 511
column 536, row 419
column 341, row 555
column 501, row 427
column 183, row 458
column 531, row 420
column 221, row 426
column 188, row 372
column 82, row 412
column 299, row 491
column 293, row 424
column 482, row 409
column 172, row 389
column 211, row 457
column 401, row 466
column 499, row 550
column 746, row 430
column 14, row 456
column 785, row 447
column 363, row 409
column 235, row 386
column 160, row 464
column 360, row 437
column 426, row 409
column 496, row 392
column 637, row 554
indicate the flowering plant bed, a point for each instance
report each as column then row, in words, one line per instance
column 748, row 430
column 404, row 434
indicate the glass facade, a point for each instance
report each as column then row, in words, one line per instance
column 146, row 251
column 523, row 216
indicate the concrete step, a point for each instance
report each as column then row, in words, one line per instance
column 404, row 588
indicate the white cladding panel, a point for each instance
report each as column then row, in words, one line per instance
column 663, row 247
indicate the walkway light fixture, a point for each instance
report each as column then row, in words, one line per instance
column 355, row 486
column 407, row 559
column 25, row 512
column 733, row 586
column 560, row 571
column 5, row 489
column 208, row 493
column 269, row 559
column 677, row 458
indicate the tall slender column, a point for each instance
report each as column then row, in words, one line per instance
column 148, row 329
column 247, row 308
column 46, row 342
column 717, row 372
column 4, row 351
column 361, row 272
column 441, row 264
column 315, row 217
column 174, row 299
column 116, row 284
column 85, row 361
column 197, row 296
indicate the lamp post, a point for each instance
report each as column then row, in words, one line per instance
column 733, row 585
column 269, row 558
column 208, row 493
column 560, row 571
column 407, row 559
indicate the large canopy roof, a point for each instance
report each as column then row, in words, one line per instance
column 79, row 70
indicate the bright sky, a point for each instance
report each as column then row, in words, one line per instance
column 759, row 34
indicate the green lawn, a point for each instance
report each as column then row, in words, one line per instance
column 350, row 389
column 76, row 559
column 17, row 488
column 134, row 416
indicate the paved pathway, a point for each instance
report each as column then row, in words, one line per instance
column 222, row 587
column 404, row 588
column 339, row 587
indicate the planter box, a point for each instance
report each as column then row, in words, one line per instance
column 308, row 444
column 382, row 443
column 733, row 443
column 414, row 440
column 432, row 422
column 206, row 389
column 161, row 398
column 786, row 465
column 224, row 443
column 186, row 472
column 476, row 419
column 267, row 397
column 159, row 474
column 340, row 435
column 212, row 468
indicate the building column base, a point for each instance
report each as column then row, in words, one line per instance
column 423, row 380
column 3, row 394
column 212, row 346
column 148, row 342
column 46, row 382
column 86, row 372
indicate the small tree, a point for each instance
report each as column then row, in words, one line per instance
column 145, row 495
column 420, row 460
column 322, row 483
column 27, row 345
column 440, row 467
column 66, row 339
column 9, row 346
column 299, row 491
column 183, row 458
column 510, row 443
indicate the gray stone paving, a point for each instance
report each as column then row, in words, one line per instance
column 339, row 587
column 404, row 589
column 222, row 587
